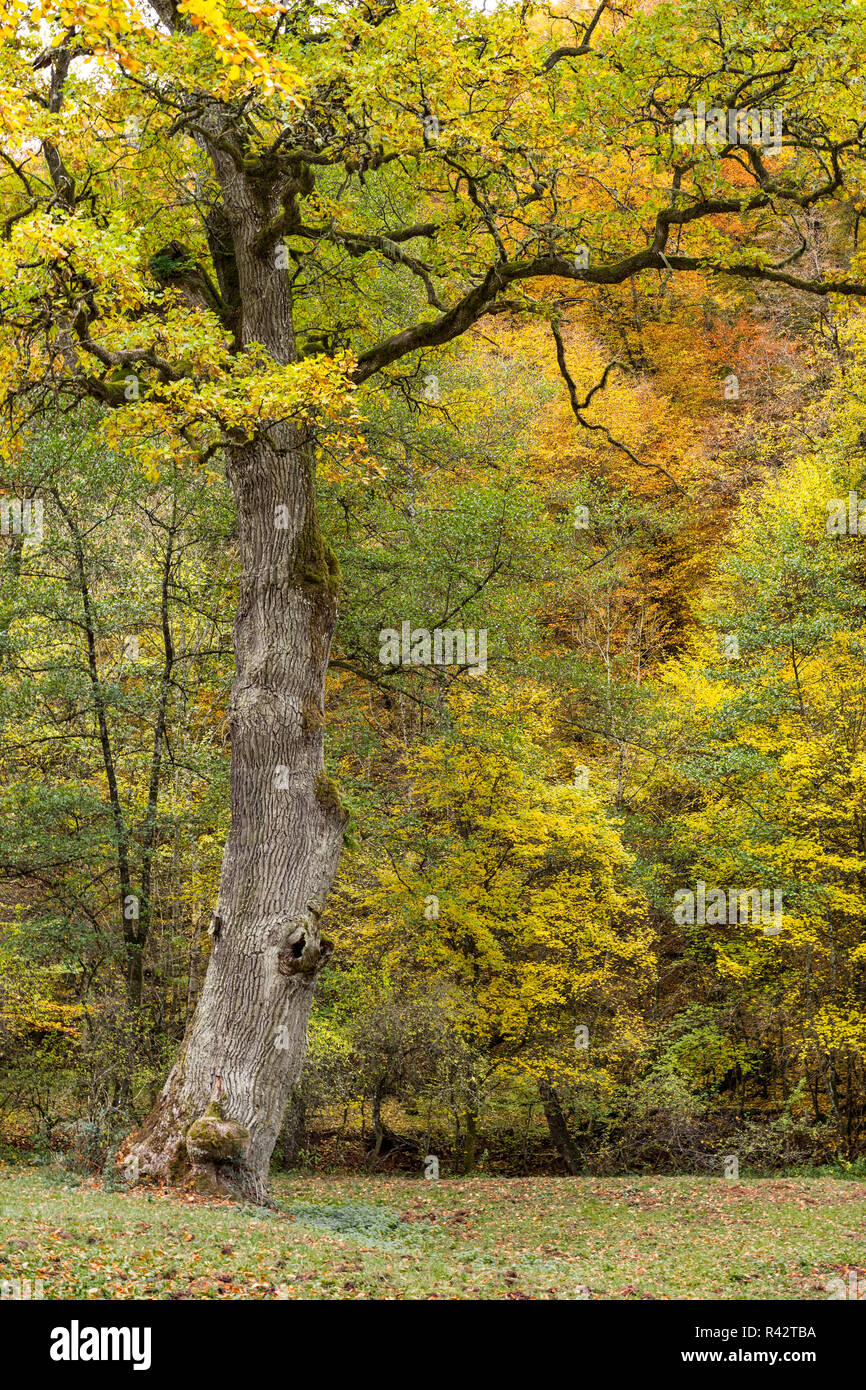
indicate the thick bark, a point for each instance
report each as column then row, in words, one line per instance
column 294, row 1132
column 245, row 1045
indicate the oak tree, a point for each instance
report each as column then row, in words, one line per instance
column 225, row 220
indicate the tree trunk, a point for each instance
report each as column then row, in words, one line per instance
column 470, row 1148
column 294, row 1132
column 376, row 1121
column 470, row 1120
column 246, row 1043
column 558, row 1126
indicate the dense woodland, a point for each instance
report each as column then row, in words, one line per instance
column 631, row 482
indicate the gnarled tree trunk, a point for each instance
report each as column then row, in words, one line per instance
column 246, row 1042
column 245, row 1045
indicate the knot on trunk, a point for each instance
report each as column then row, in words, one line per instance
column 214, row 1139
column 302, row 951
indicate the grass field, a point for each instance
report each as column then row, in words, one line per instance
column 350, row 1238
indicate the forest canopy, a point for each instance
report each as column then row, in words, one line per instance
column 432, row 609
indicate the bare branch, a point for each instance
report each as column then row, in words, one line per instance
column 578, row 407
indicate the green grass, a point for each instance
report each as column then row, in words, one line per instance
column 356, row 1237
